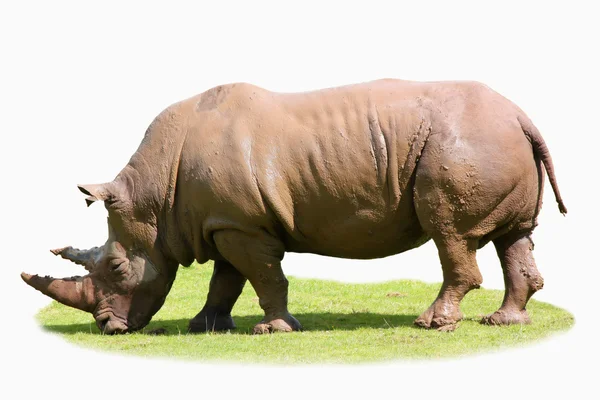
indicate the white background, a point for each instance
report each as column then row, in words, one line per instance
column 80, row 84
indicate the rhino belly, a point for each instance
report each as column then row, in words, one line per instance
column 363, row 235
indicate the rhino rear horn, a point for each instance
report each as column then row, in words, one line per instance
column 87, row 258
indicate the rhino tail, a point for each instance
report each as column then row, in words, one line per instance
column 541, row 151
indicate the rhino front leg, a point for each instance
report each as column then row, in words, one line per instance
column 258, row 258
column 226, row 285
column 461, row 274
column 521, row 279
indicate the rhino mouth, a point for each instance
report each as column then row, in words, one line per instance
column 110, row 324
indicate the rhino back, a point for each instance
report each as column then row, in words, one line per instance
column 325, row 171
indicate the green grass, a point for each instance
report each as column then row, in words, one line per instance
column 344, row 323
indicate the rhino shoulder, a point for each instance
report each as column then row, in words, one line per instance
column 226, row 95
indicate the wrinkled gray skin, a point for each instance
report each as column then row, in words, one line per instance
column 240, row 175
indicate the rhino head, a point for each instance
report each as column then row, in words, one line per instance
column 128, row 277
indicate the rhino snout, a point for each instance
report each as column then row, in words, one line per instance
column 110, row 325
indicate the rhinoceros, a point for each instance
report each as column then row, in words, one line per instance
column 240, row 175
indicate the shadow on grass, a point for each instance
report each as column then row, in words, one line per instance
column 313, row 322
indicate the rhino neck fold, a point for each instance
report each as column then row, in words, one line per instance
column 153, row 170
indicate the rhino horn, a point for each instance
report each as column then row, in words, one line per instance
column 74, row 292
column 87, row 258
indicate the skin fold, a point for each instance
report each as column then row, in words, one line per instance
column 240, row 175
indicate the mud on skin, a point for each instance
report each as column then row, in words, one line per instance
column 240, row 175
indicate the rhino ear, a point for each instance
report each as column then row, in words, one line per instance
column 102, row 192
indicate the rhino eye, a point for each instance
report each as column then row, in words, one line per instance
column 118, row 265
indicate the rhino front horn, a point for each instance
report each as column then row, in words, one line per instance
column 69, row 291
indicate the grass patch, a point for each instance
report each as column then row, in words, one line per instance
column 344, row 323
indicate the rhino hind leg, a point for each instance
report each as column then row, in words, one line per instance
column 521, row 279
column 225, row 287
column 461, row 274
column 258, row 258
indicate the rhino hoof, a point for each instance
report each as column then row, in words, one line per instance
column 443, row 323
column 289, row 324
column 505, row 317
column 204, row 323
